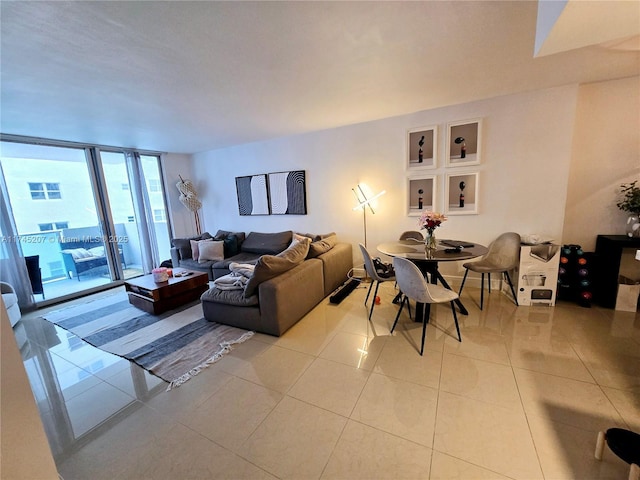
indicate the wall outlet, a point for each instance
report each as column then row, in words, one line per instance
column 637, row 254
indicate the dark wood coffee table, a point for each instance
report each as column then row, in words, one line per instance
column 157, row 298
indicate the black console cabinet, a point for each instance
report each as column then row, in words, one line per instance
column 609, row 252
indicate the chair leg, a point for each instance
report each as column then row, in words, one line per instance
column 489, row 282
column 482, row 291
column 425, row 318
column 455, row 319
column 399, row 311
column 513, row 292
column 600, row 445
column 369, row 293
column 373, row 301
column 464, row 279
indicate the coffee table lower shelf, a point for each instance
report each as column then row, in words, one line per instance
column 157, row 298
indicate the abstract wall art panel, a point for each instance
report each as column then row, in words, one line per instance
column 287, row 193
column 252, row 195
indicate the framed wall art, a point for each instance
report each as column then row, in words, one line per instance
column 287, row 193
column 464, row 142
column 421, row 194
column 252, row 193
column 422, row 147
column 462, row 193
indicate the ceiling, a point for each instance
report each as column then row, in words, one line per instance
column 185, row 77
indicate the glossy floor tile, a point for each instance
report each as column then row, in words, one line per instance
column 339, row 397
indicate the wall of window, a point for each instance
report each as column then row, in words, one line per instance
column 60, row 193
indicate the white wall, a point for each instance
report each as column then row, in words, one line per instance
column 606, row 153
column 523, row 177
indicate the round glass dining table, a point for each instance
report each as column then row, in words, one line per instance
column 428, row 260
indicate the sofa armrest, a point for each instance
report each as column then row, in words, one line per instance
column 285, row 299
column 175, row 257
column 69, row 265
column 336, row 264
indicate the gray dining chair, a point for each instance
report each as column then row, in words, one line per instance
column 414, row 287
column 375, row 278
column 503, row 255
column 412, row 234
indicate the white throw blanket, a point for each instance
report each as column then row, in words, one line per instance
column 237, row 279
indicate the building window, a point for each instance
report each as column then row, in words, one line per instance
column 125, row 187
column 158, row 215
column 43, row 191
column 131, row 218
column 47, row 227
column 154, row 185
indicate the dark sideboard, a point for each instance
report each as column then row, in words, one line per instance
column 608, row 253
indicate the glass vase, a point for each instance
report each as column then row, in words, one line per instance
column 633, row 226
column 430, row 242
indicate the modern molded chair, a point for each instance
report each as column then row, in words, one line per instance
column 375, row 278
column 625, row 444
column 414, row 287
column 503, row 255
column 412, row 234
column 35, row 274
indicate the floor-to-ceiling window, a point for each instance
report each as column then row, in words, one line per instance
column 75, row 213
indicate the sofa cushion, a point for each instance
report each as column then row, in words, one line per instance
column 270, row 266
column 322, row 246
column 266, row 243
column 97, row 251
column 191, row 264
column 229, row 297
column 211, row 250
column 184, row 245
column 195, row 247
column 78, row 253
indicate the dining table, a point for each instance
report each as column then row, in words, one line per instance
column 427, row 260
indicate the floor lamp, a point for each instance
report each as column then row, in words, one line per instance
column 364, row 202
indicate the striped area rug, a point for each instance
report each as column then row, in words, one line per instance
column 174, row 346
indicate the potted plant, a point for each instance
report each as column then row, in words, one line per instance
column 631, row 203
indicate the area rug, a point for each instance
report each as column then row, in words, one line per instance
column 174, row 346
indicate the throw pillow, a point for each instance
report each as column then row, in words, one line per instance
column 97, row 251
column 184, row 245
column 195, row 248
column 322, row 246
column 211, row 250
column 270, row 266
column 231, row 246
column 267, row 243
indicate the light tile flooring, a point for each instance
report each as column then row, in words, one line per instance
column 521, row 397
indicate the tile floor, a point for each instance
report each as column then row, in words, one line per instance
column 521, row 397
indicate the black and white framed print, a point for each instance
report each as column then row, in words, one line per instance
column 464, row 142
column 422, row 147
column 421, row 194
column 462, row 193
column 287, row 193
column 253, row 197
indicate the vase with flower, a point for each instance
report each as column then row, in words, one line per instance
column 630, row 203
column 429, row 221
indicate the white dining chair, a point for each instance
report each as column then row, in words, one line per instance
column 414, row 287
column 375, row 278
column 503, row 255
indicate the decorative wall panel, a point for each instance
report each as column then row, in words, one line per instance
column 252, row 195
column 287, row 193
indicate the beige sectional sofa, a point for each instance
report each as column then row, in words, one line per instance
column 290, row 284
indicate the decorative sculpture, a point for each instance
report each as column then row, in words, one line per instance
column 189, row 198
